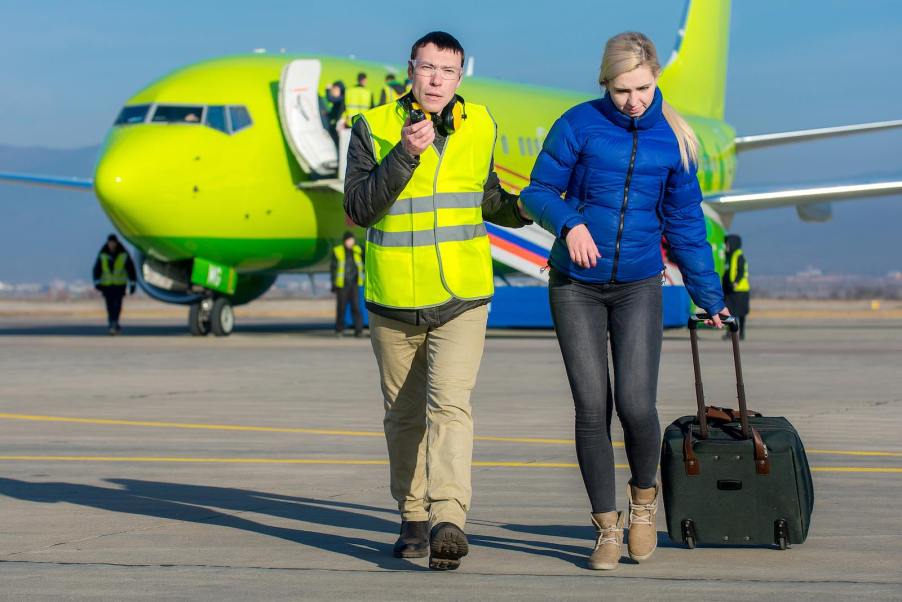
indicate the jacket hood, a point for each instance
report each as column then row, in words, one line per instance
column 733, row 242
column 649, row 118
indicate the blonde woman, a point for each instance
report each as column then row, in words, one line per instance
column 614, row 175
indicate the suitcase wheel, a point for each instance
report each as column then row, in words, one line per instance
column 687, row 528
column 781, row 534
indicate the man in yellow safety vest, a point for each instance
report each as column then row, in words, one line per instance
column 736, row 281
column 429, row 280
column 357, row 100
column 392, row 90
column 113, row 272
column 347, row 278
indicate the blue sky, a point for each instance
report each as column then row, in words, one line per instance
column 67, row 67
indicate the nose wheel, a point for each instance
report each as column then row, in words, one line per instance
column 211, row 315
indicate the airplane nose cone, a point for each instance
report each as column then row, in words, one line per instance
column 118, row 179
column 139, row 175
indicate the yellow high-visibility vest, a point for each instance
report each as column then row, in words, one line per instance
column 741, row 285
column 340, row 256
column 117, row 276
column 390, row 94
column 357, row 100
column 432, row 244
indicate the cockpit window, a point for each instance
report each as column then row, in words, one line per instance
column 133, row 114
column 226, row 119
column 239, row 118
column 216, row 119
column 177, row 114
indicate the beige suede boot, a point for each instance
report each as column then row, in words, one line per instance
column 609, row 540
column 643, row 537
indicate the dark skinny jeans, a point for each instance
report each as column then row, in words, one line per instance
column 584, row 315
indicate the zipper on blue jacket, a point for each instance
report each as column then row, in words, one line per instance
column 626, row 198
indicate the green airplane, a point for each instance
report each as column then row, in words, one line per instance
column 222, row 174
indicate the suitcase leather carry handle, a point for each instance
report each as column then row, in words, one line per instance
column 690, row 460
column 762, row 462
column 716, row 413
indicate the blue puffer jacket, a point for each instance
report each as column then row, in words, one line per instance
column 623, row 178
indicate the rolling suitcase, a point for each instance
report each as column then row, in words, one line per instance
column 731, row 477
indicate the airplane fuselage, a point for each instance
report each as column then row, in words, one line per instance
column 179, row 188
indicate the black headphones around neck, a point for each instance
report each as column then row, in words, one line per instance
column 446, row 123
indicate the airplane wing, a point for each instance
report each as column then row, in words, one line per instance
column 71, row 183
column 744, row 143
column 734, row 201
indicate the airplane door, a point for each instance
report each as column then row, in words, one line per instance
column 300, row 116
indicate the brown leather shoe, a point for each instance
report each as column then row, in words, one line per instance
column 643, row 537
column 413, row 541
column 608, row 542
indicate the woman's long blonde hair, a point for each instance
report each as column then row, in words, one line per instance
column 631, row 50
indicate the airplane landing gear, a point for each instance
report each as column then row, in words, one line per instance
column 222, row 318
column 211, row 315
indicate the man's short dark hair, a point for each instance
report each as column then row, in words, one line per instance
column 390, row 77
column 442, row 40
column 361, row 76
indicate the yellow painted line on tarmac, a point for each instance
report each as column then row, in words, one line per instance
column 855, row 469
column 851, row 452
column 260, row 429
column 348, row 433
column 189, row 425
column 355, row 462
column 177, row 460
column 169, row 459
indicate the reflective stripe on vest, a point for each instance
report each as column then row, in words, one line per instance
column 357, row 100
column 339, row 252
column 741, row 285
column 432, row 245
column 117, row 276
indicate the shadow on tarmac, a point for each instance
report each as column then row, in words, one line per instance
column 263, row 328
column 205, row 504
column 157, row 330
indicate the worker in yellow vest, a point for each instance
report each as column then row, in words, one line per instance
column 392, row 90
column 113, row 273
column 736, row 281
column 428, row 284
column 347, row 278
column 357, row 100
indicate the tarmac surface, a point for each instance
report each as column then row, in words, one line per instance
column 157, row 465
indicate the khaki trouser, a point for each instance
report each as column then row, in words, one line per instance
column 427, row 377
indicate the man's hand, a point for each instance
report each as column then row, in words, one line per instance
column 521, row 209
column 583, row 251
column 416, row 138
column 715, row 320
column 131, row 288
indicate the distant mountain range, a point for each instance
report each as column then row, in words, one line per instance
column 48, row 234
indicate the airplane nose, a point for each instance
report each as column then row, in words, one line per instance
column 133, row 178
column 117, row 178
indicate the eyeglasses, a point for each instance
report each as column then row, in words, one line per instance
column 428, row 70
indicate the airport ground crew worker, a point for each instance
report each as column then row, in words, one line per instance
column 335, row 99
column 428, row 284
column 113, row 272
column 357, row 100
column 347, row 278
column 736, row 281
column 392, row 90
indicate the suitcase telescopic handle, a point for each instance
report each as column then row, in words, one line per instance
column 733, row 325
